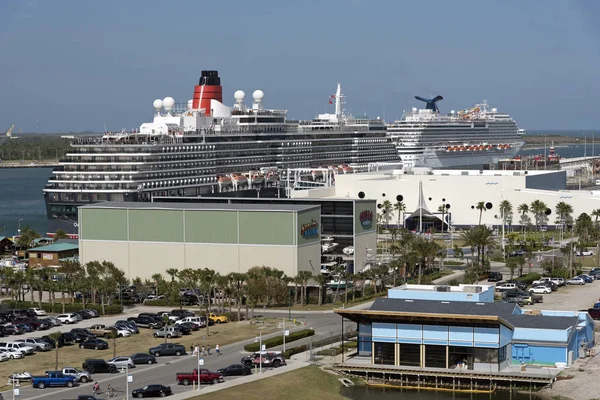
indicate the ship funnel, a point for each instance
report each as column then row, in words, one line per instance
column 208, row 88
column 431, row 103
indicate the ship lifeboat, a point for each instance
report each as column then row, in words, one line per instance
column 272, row 176
column 489, row 147
column 507, row 146
column 470, row 148
column 257, row 178
column 455, row 148
column 449, row 149
column 347, row 169
column 224, row 181
column 239, row 179
column 480, row 147
column 500, row 147
column 461, row 148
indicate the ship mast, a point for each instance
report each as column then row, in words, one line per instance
column 338, row 102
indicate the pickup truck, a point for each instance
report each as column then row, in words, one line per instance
column 217, row 319
column 79, row 375
column 100, row 330
column 594, row 312
column 185, row 378
column 273, row 359
column 53, row 379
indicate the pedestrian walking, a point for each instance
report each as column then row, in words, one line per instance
column 192, row 349
column 208, row 349
column 218, row 349
column 203, row 351
column 197, row 350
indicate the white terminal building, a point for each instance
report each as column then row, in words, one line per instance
column 460, row 191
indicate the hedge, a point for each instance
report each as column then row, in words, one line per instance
column 278, row 340
column 294, row 350
column 58, row 307
column 529, row 278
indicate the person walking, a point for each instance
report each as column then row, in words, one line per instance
column 192, row 349
column 208, row 349
column 203, row 351
column 218, row 349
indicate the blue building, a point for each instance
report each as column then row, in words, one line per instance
column 460, row 327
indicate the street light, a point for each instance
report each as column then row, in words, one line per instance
column 19, row 229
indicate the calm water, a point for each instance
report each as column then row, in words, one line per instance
column 21, row 197
column 367, row 393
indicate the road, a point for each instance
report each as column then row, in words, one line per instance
column 324, row 323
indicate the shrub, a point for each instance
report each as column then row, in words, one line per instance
column 294, row 350
column 529, row 278
column 160, row 303
column 278, row 340
column 232, row 316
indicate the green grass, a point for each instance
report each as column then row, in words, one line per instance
column 304, row 383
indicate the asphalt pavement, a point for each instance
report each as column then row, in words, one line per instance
column 325, row 324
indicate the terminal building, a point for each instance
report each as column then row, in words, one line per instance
column 147, row 238
column 461, row 327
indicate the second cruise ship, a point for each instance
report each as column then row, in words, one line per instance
column 467, row 138
column 204, row 147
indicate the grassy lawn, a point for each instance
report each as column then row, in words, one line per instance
column 73, row 356
column 304, row 383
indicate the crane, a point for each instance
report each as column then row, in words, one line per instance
column 9, row 132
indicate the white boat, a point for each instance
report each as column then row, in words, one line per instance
column 348, row 250
column 336, row 283
column 472, row 137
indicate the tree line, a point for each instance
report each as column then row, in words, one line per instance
column 38, row 147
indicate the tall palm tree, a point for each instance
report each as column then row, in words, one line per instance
column 59, row 234
column 564, row 211
column 304, row 277
column 505, row 211
column 523, row 210
column 596, row 215
column 321, row 281
column 425, row 250
column 400, row 209
column 238, row 280
column 538, row 208
column 386, row 212
column 584, row 227
column 481, row 207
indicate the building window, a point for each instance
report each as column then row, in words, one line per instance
column 410, row 354
column 458, row 355
column 385, row 353
column 502, row 354
column 435, row 356
column 487, row 356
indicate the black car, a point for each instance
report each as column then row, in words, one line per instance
column 87, row 397
column 167, row 349
column 182, row 313
column 68, row 338
column 12, row 330
column 96, row 344
column 235, row 370
column 146, row 322
column 52, row 342
column 185, row 329
column 143, row 358
column 191, row 325
column 82, row 314
column 98, row 366
column 152, row 391
column 520, row 285
column 494, row 276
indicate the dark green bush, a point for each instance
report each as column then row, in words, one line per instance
column 294, row 350
column 278, row 340
column 232, row 316
column 529, row 278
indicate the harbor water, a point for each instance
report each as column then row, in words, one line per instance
column 377, row 393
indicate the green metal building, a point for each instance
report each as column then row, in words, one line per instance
column 148, row 238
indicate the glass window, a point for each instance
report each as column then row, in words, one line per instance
column 502, row 354
column 385, row 353
column 435, row 356
column 410, row 354
column 488, row 356
column 458, row 355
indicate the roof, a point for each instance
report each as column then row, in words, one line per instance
column 5, row 237
column 56, row 247
column 202, row 206
column 387, row 310
column 542, row 321
column 42, row 239
column 263, row 199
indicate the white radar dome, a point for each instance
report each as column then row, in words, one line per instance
column 158, row 103
column 414, row 109
column 190, row 103
column 258, row 95
column 168, row 103
column 452, row 112
column 494, row 110
column 239, row 95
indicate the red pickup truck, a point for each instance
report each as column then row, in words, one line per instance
column 185, row 378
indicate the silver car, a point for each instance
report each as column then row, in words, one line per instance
column 169, row 332
column 122, row 362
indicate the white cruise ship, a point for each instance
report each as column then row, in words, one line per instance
column 467, row 138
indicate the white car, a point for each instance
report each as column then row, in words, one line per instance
column 172, row 318
column 13, row 353
column 4, row 356
column 540, row 290
column 122, row 362
column 67, row 318
column 584, row 253
column 196, row 320
column 37, row 343
column 122, row 332
column 576, row 281
column 38, row 311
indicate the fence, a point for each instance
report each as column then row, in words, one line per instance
column 333, row 338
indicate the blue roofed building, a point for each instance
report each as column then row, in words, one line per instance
column 461, row 327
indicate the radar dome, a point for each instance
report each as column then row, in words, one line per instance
column 158, row 103
column 452, row 112
column 414, row 109
column 190, row 104
column 168, row 103
column 494, row 110
column 258, row 95
column 239, row 95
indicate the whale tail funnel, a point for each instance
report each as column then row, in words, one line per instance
column 431, row 103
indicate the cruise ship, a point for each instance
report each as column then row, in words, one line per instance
column 467, row 138
column 204, row 147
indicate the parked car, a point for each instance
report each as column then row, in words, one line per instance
column 52, row 379
column 186, row 329
column 79, row 375
column 576, row 281
column 83, row 314
column 203, row 375
column 37, row 343
column 540, row 289
column 189, row 325
column 235, row 370
column 594, row 312
column 51, row 342
column 98, row 366
column 130, row 325
column 217, row 319
column 586, row 278
column 67, row 318
column 23, row 347
column 68, row 338
column 168, row 349
column 506, row 286
column 146, row 322
column 517, row 253
column 583, row 253
column 196, row 320
column 13, row 353
column 12, row 330
column 172, row 318
column 122, row 362
column 182, row 313
column 53, row 321
column 96, row 344
column 38, row 311
column 152, row 391
column 143, row 358
column 495, row 276
column 92, row 313
column 169, row 332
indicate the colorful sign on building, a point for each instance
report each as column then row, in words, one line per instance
column 310, row 229
column 366, row 218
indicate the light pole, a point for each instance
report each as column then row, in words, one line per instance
column 289, row 303
column 128, row 378
column 19, row 228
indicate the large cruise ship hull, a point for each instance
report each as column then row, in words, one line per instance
column 445, row 160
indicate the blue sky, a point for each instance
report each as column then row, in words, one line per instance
column 74, row 65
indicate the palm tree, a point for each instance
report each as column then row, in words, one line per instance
column 505, row 211
column 56, row 336
column 400, row 208
column 596, row 215
column 304, row 277
column 27, row 237
column 425, row 251
column 481, row 207
column 386, row 212
column 512, row 265
column 584, row 228
column 59, row 234
column 564, row 211
column 538, row 208
column 321, row 281
column 238, row 280
column 523, row 210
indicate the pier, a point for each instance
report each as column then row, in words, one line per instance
column 43, row 164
